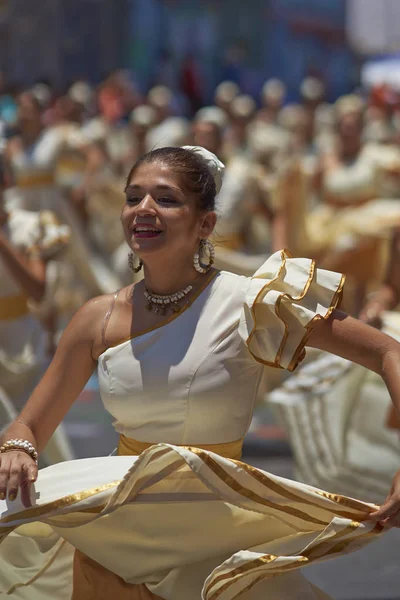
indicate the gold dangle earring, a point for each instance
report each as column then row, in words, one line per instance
column 131, row 263
column 206, row 252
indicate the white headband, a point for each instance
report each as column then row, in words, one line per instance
column 216, row 167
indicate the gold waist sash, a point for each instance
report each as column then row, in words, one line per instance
column 13, row 307
column 130, row 447
column 35, row 180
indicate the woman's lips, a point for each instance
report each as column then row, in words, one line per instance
column 146, row 234
column 145, row 230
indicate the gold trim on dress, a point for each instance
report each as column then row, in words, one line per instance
column 299, row 352
column 316, row 551
column 65, row 502
column 253, row 496
column 280, row 489
column 13, row 307
column 260, row 296
column 335, row 303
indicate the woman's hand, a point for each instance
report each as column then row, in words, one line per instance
column 17, row 472
column 389, row 512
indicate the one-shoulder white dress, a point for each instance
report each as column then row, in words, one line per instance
column 185, row 517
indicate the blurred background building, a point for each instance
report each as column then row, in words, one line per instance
column 163, row 41
column 174, row 42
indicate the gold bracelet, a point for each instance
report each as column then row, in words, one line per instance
column 22, row 445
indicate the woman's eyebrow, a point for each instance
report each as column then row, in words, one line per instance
column 157, row 187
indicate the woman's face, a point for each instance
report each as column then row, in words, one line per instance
column 159, row 216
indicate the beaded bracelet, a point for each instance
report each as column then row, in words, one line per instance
column 23, row 445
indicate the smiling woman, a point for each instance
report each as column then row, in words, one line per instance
column 176, row 515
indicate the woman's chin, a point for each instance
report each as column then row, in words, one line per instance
column 146, row 246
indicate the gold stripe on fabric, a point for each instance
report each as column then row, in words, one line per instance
column 325, row 547
column 249, row 494
column 276, row 487
column 131, row 447
column 174, row 316
column 13, row 307
column 145, row 482
column 306, row 557
column 96, row 510
column 38, row 511
column 341, row 546
column 254, row 565
column 276, row 571
column 348, row 502
column 155, row 455
column 258, row 562
column 15, row 586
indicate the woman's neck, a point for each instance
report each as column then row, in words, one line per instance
column 162, row 278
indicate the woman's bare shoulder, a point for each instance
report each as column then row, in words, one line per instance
column 92, row 319
column 87, row 322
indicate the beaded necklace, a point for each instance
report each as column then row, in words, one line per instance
column 162, row 303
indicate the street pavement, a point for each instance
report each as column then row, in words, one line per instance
column 370, row 574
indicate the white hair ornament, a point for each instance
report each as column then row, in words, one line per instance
column 216, row 167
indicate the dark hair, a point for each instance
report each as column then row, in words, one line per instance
column 198, row 178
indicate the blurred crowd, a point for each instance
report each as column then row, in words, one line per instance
column 320, row 179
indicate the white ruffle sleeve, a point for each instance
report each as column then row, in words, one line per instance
column 284, row 298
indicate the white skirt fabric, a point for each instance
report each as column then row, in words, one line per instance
column 183, row 521
column 335, row 414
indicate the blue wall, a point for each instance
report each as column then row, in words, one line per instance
column 282, row 38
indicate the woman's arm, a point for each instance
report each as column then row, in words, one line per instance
column 347, row 337
column 30, row 274
column 68, row 373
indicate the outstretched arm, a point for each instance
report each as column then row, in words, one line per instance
column 347, row 337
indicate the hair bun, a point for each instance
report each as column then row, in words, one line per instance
column 216, row 167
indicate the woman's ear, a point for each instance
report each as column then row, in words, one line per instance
column 208, row 224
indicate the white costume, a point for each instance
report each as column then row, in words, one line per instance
column 37, row 189
column 22, row 340
column 184, row 521
column 361, row 201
